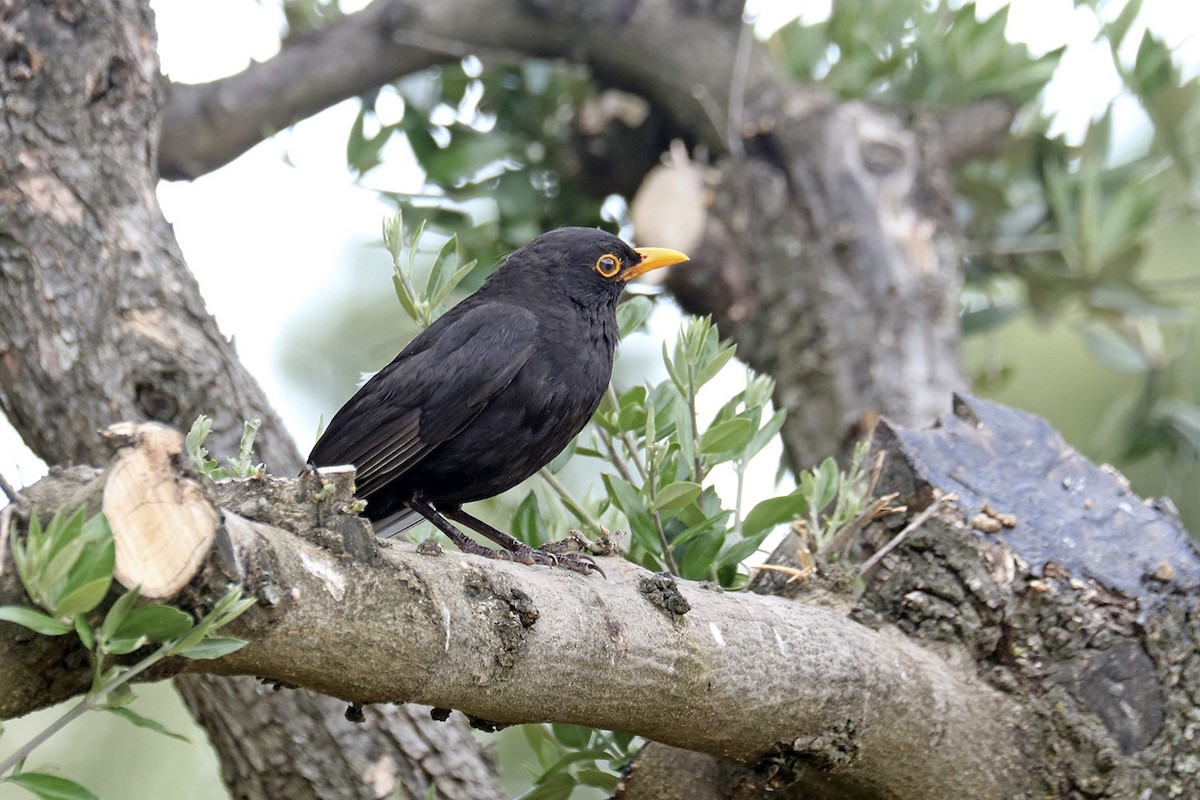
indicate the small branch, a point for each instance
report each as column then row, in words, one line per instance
column 568, row 500
column 11, row 493
column 737, row 91
column 917, row 522
column 78, row 710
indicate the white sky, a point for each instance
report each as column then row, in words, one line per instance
column 263, row 237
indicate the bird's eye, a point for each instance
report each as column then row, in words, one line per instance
column 608, row 265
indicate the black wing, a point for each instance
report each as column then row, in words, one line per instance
column 434, row 388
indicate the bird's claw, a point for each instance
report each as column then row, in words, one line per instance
column 576, row 562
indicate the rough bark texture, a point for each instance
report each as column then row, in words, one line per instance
column 993, row 652
column 834, row 229
column 102, row 321
column 1064, row 585
column 789, row 688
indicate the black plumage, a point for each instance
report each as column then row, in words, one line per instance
column 493, row 390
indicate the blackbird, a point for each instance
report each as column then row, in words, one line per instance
column 492, row 390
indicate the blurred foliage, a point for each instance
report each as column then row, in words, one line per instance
column 1055, row 230
column 912, row 52
column 493, row 144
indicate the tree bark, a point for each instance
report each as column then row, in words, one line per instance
column 103, row 321
column 1032, row 634
column 793, row 687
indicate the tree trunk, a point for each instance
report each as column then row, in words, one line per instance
column 103, row 322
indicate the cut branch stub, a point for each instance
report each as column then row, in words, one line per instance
column 162, row 523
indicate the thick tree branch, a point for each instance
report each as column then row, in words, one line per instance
column 681, row 60
column 759, row 680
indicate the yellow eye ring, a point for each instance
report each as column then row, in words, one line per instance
column 608, row 265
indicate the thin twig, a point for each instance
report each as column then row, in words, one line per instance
column 737, row 92
column 12, row 494
column 875, row 473
column 5, row 526
column 87, row 704
column 618, row 462
column 568, row 500
column 630, row 445
column 916, row 522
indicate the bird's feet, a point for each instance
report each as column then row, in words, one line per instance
column 576, row 562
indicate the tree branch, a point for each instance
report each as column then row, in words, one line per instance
column 663, row 46
column 759, row 680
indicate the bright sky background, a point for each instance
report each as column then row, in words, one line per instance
column 265, row 238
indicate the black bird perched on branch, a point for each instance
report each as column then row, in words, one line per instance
column 493, row 390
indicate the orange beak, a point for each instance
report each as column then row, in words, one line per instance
column 652, row 258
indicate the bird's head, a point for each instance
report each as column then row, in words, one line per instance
column 587, row 264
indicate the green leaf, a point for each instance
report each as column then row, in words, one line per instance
column 574, row 736
column 155, row 623
column 137, row 719
column 707, row 525
column 732, row 434
column 676, row 495
column 452, row 282
column 528, row 525
column 631, row 416
column 1152, row 67
column 664, row 399
column 118, row 646
column 34, row 620
column 117, row 613
column 447, row 254
column 243, row 466
column 406, row 301
column 194, row 444
column 52, row 579
column 90, row 576
column 49, row 787
column 119, row 696
column 701, row 554
column 559, row 461
column 742, row 549
column 557, row 786
column 85, row 598
column 632, row 313
column 590, row 776
column 676, row 378
column 765, row 434
column 1117, row 29
column 828, row 478
column 214, row 647
column 774, row 511
column 1114, row 351
column 85, row 632
column 683, row 434
column 629, row 501
column 989, row 318
column 710, row 368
